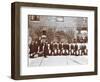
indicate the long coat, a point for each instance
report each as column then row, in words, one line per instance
column 67, row 46
column 64, row 46
column 60, row 46
column 76, row 47
column 31, row 48
column 46, row 51
column 72, row 46
column 35, row 47
column 41, row 47
column 51, row 47
column 55, row 46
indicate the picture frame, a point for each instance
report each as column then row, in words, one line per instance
column 25, row 15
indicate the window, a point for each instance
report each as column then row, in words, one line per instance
column 34, row 18
column 59, row 19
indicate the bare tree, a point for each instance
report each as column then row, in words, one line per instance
column 50, row 34
column 70, row 35
column 60, row 35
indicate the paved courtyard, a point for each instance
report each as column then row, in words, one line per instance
column 58, row 61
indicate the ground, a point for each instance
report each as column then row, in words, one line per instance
column 58, row 61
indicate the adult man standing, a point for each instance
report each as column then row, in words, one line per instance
column 45, row 50
column 67, row 48
column 31, row 49
column 64, row 48
column 35, row 47
column 60, row 47
column 72, row 49
column 41, row 49
column 51, row 48
column 76, row 49
column 55, row 48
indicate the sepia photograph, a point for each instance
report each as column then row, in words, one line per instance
column 50, row 40
column 57, row 40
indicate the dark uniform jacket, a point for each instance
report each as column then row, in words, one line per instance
column 76, row 47
column 31, row 48
column 64, row 46
column 72, row 46
column 41, row 47
column 46, row 51
column 35, row 47
column 55, row 46
column 67, row 46
column 51, row 47
column 60, row 46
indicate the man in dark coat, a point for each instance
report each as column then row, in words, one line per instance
column 67, row 49
column 51, row 48
column 78, row 39
column 85, row 39
column 31, row 49
column 72, row 49
column 83, row 49
column 64, row 49
column 55, row 45
column 46, row 49
column 76, row 49
column 67, row 46
column 55, row 48
column 36, row 47
column 64, row 46
column 58, row 50
column 81, row 39
column 60, row 47
column 41, row 49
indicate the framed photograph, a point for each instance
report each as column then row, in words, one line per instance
column 53, row 40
